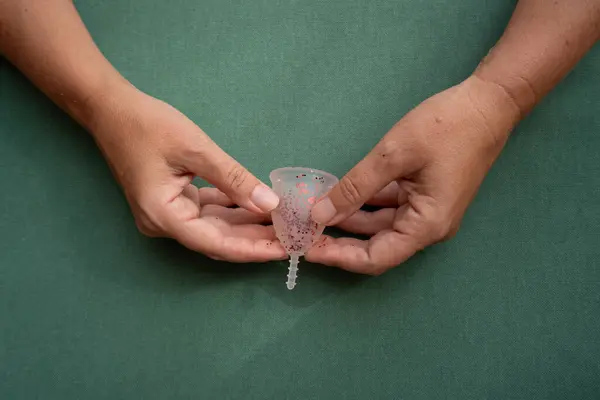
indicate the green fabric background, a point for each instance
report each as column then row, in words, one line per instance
column 90, row 309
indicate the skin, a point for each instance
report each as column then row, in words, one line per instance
column 433, row 160
column 424, row 172
column 153, row 150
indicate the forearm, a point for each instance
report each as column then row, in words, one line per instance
column 544, row 40
column 49, row 43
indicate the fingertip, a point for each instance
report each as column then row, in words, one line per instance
column 275, row 251
column 324, row 211
column 264, row 198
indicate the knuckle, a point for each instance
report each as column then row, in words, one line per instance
column 236, row 177
column 453, row 231
column 349, row 190
column 379, row 267
column 146, row 227
column 147, row 218
column 440, row 228
column 145, row 230
column 393, row 155
column 387, row 151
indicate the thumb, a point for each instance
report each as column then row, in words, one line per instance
column 360, row 184
column 226, row 174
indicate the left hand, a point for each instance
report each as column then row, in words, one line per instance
column 429, row 166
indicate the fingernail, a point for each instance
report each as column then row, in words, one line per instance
column 264, row 198
column 323, row 211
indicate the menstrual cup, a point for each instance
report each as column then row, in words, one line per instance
column 298, row 190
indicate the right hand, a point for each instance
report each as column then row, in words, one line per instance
column 154, row 152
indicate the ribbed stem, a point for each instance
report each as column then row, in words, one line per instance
column 293, row 271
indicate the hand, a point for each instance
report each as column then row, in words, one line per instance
column 429, row 165
column 155, row 151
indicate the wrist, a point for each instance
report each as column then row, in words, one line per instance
column 495, row 103
column 104, row 104
column 517, row 89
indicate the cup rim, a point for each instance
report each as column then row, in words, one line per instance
column 304, row 169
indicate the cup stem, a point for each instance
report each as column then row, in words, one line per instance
column 293, row 271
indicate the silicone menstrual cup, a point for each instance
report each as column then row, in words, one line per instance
column 298, row 189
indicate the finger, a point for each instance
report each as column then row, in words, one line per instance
column 242, row 250
column 253, row 232
column 246, row 243
column 389, row 196
column 413, row 230
column 183, row 207
column 234, row 216
column 191, row 192
column 369, row 223
column 217, row 238
column 346, row 253
column 387, row 162
column 383, row 251
column 208, row 195
column 227, row 175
